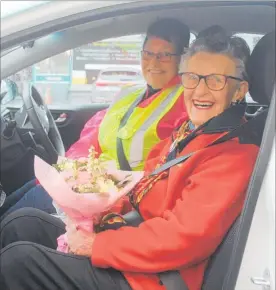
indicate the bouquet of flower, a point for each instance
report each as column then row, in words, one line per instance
column 82, row 189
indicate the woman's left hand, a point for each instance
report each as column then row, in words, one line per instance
column 80, row 242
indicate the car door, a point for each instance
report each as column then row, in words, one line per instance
column 261, row 273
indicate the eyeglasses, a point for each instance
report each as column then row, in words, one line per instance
column 215, row 82
column 161, row 56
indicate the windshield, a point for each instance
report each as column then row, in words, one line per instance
column 9, row 8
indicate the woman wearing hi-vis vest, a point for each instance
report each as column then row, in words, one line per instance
column 138, row 119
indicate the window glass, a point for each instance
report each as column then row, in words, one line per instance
column 92, row 73
column 252, row 40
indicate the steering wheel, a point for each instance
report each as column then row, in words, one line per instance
column 43, row 123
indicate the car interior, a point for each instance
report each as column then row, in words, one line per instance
column 36, row 129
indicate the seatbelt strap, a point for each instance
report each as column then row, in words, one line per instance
column 123, row 162
column 230, row 135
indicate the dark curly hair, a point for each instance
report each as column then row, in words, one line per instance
column 171, row 30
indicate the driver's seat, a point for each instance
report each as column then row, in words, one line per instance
column 261, row 71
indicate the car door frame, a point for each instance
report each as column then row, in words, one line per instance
column 238, row 276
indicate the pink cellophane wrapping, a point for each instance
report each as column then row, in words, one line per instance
column 80, row 208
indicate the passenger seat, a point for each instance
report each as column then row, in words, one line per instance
column 261, row 71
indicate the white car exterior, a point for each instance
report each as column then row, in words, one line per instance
column 257, row 271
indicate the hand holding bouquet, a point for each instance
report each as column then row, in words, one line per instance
column 83, row 189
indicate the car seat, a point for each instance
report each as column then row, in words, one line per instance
column 261, row 72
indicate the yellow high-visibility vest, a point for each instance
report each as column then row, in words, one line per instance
column 139, row 135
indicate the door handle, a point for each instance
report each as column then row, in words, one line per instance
column 263, row 281
column 61, row 118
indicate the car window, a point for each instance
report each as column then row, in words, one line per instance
column 92, row 73
column 252, row 40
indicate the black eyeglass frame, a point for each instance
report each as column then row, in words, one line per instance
column 200, row 77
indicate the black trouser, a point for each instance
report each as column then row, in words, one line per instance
column 29, row 261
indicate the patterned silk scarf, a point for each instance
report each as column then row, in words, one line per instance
column 148, row 181
column 114, row 220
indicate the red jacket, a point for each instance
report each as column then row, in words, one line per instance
column 186, row 215
column 89, row 135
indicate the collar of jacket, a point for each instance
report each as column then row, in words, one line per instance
column 226, row 121
column 150, row 92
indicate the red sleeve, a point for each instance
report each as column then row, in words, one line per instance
column 88, row 137
column 122, row 207
column 211, row 200
column 173, row 119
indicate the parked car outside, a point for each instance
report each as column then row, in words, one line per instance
column 111, row 80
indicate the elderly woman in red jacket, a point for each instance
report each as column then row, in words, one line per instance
column 187, row 209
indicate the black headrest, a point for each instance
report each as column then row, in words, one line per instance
column 261, row 69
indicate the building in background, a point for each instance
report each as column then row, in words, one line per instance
column 92, row 73
column 90, row 59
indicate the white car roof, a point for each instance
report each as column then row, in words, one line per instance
column 10, row 8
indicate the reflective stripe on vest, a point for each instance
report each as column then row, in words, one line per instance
column 139, row 135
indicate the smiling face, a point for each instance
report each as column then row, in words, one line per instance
column 202, row 103
column 158, row 73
